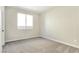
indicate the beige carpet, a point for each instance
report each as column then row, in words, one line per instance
column 37, row 45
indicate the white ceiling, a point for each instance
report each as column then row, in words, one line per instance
column 38, row 9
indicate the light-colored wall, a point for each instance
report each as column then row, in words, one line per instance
column 12, row 33
column 61, row 23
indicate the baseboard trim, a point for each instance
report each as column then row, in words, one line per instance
column 43, row 36
column 22, row 39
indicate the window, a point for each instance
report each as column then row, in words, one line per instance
column 29, row 20
column 24, row 21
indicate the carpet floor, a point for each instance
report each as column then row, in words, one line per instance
column 37, row 45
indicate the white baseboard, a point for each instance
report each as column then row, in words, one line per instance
column 43, row 36
column 47, row 37
column 22, row 38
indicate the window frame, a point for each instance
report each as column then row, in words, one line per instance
column 25, row 27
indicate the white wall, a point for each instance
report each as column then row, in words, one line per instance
column 12, row 33
column 61, row 23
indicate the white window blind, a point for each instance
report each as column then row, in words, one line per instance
column 24, row 21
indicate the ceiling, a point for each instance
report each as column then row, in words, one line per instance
column 38, row 9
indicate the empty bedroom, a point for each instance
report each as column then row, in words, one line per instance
column 39, row 29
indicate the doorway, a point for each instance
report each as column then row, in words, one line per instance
column 2, row 27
